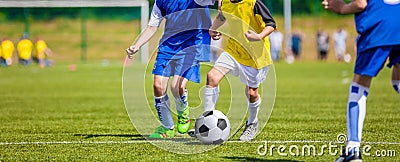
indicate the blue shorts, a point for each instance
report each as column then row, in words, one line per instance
column 24, row 62
column 187, row 68
column 371, row 61
column 2, row 62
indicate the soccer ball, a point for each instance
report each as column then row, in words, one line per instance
column 347, row 58
column 289, row 59
column 212, row 127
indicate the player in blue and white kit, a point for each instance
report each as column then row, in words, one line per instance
column 184, row 44
column 379, row 39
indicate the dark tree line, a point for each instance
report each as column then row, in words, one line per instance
column 309, row 7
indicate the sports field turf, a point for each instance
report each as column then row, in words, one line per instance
column 62, row 115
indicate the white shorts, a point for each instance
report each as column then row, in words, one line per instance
column 340, row 53
column 250, row 76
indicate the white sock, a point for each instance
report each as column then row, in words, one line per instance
column 210, row 98
column 356, row 108
column 162, row 105
column 396, row 85
column 253, row 111
column 182, row 102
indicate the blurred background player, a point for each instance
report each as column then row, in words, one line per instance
column 42, row 53
column 179, row 55
column 251, row 62
column 297, row 38
column 378, row 40
column 7, row 47
column 25, row 48
column 1, row 58
column 322, row 44
column 340, row 37
column 276, row 39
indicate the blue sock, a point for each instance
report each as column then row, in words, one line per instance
column 162, row 105
column 356, row 108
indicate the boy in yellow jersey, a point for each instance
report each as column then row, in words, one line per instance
column 1, row 57
column 247, row 54
column 25, row 47
column 42, row 52
column 8, row 48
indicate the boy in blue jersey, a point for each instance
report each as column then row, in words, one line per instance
column 378, row 40
column 183, row 45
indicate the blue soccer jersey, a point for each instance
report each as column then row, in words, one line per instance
column 186, row 26
column 185, row 41
column 379, row 36
column 376, row 23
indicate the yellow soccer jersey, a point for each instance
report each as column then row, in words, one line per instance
column 41, row 47
column 25, row 48
column 8, row 49
column 241, row 16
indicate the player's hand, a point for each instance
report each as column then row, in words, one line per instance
column 333, row 5
column 215, row 35
column 131, row 51
column 252, row 36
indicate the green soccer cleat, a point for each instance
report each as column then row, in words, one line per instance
column 183, row 121
column 162, row 132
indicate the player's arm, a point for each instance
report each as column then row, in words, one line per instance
column 155, row 21
column 270, row 25
column 253, row 36
column 146, row 35
column 218, row 22
column 340, row 7
column 48, row 51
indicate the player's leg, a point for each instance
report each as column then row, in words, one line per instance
column 252, row 78
column 41, row 62
column 368, row 64
column 211, row 91
column 394, row 62
column 324, row 54
column 8, row 62
column 162, row 72
column 254, row 102
column 178, row 88
column 396, row 77
column 162, row 105
column 339, row 53
column 356, row 108
column 223, row 65
column 2, row 62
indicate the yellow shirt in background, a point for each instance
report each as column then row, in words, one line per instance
column 25, row 48
column 41, row 47
column 8, row 48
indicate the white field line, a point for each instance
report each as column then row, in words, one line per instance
column 166, row 141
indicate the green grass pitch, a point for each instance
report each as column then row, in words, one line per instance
column 62, row 115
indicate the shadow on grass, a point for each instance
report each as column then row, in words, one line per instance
column 241, row 158
column 177, row 140
column 141, row 137
column 132, row 136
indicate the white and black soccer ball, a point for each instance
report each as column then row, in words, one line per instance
column 212, row 127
